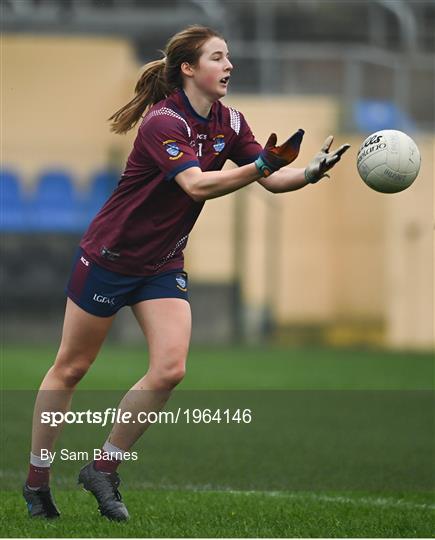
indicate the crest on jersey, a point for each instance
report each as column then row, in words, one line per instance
column 218, row 144
column 172, row 149
column 181, row 280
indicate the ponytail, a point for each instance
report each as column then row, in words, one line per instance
column 150, row 88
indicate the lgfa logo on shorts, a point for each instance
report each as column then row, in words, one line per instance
column 172, row 149
column 103, row 299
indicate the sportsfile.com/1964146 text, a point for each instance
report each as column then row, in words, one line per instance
column 117, row 416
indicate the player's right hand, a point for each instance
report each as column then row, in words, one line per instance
column 273, row 157
column 324, row 161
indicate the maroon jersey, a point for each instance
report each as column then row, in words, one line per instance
column 143, row 227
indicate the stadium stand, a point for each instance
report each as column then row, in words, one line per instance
column 13, row 215
column 56, row 205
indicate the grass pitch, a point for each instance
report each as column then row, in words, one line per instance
column 241, row 368
column 191, row 507
column 202, row 514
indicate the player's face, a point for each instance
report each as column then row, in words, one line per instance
column 213, row 70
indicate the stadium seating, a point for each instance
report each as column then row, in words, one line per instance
column 372, row 115
column 13, row 209
column 56, row 204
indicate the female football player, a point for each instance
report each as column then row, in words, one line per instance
column 132, row 252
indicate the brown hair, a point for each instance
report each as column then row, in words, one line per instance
column 161, row 77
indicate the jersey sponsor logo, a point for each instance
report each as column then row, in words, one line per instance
column 181, row 282
column 172, row 149
column 218, row 144
column 103, row 299
column 84, row 261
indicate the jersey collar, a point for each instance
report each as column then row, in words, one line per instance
column 188, row 107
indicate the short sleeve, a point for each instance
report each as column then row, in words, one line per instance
column 245, row 149
column 165, row 136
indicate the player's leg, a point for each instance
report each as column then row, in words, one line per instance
column 82, row 337
column 88, row 318
column 166, row 324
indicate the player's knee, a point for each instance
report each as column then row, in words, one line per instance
column 71, row 372
column 169, row 375
column 72, row 375
column 175, row 374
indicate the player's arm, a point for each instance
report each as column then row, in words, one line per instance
column 201, row 185
column 285, row 180
column 290, row 179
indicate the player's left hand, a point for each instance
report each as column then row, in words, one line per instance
column 273, row 157
column 323, row 161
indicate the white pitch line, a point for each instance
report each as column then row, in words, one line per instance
column 368, row 501
column 378, row 501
